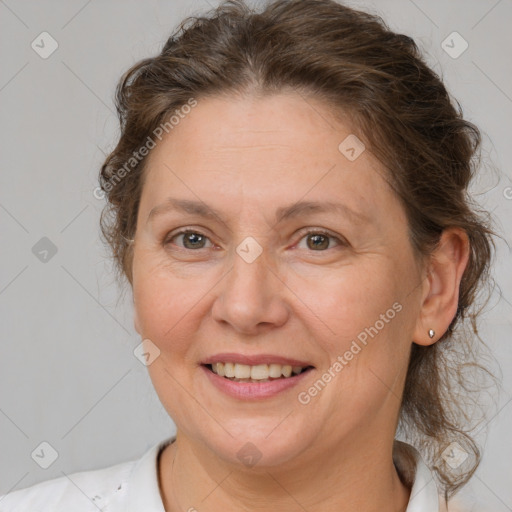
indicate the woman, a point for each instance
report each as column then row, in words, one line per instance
column 288, row 201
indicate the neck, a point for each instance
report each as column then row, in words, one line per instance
column 344, row 480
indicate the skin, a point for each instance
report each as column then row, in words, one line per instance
column 247, row 156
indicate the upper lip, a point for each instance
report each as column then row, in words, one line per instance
column 253, row 360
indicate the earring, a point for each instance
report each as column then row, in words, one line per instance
column 431, row 333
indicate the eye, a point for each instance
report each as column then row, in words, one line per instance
column 316, row 240
column 191, row 239
column 319, row 241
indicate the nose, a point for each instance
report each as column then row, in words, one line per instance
column 251, row 297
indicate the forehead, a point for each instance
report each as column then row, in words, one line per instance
column 268, row 152
column 248, row 123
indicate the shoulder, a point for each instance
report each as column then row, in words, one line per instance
column 127, row 487
column 80, row 492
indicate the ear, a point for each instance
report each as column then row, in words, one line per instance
column 441, row 291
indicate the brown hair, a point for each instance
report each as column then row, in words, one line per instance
column 397, row 105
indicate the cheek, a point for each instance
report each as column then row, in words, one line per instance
column 359, row 321
column 346, row 301
column 169, row 306
column 363, row 320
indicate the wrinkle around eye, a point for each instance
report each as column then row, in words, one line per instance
column 335, row 243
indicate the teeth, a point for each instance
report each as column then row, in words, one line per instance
column 286, row 370
column 260, row 372
column 275, row 371
column 229, row 370
column 242, row 371
column 218, row 368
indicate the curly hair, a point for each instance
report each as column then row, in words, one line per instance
column 405, row 117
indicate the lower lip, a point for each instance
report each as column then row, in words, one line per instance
column 254, row 390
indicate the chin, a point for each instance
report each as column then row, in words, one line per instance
column 257, row 445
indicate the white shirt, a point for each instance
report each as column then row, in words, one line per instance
column 133, row 487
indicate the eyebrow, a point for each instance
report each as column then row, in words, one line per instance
column 301, row 208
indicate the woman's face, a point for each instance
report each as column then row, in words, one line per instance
column 252, row 281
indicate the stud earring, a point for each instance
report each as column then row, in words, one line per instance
column 431, row 333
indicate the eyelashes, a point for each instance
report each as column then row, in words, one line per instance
column 196, row 240
column 186, row 233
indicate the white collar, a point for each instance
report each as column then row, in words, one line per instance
column 143, row 492
column 411, row 466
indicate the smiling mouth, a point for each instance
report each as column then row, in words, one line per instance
column 258, row 373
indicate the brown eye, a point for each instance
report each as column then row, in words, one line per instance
column 316, row 241
column 191, row 240
column 320, row 241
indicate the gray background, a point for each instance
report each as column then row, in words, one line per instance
column 68, row 375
